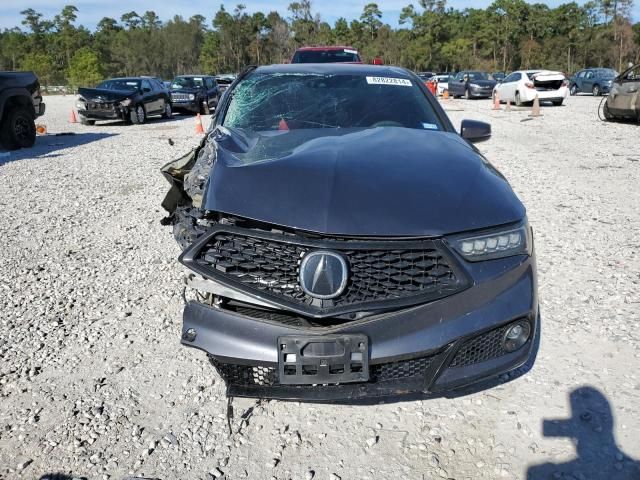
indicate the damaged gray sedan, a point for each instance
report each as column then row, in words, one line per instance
column 342, row 240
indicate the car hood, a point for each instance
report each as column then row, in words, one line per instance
column 385, row 181
column 103, row 95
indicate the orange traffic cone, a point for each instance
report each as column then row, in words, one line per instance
column 496, row 101
column 41, row 129
column 72, row 117
column 445, row 95
column 199, row 129
column 535, row 110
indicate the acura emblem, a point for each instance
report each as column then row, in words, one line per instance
column 323, row 274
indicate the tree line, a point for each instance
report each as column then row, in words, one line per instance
column 507, row 35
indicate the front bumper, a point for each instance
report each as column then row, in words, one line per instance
column 120, row 113
column 419, row 344
column 481, row 92
column 188, row 105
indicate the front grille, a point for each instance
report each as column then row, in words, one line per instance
column 100, row 106
column 246, row 375
column 180, row 97
column 380, row 272
column 481, row 348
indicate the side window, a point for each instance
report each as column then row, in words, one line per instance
column 581, row 74
column 589, row 75
column 509, row 78
column 516, row 77
column 633, row 74
column 209, row 82
column 459, row 76
column 146, row 84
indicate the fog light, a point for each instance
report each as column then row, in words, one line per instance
column 516, row 336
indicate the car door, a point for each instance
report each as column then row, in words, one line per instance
column 456, row 87
column 149, row 97
column 507, row 89
column 624, row 98
column 587, row 81
column 212, row 91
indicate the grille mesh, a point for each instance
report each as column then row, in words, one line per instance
column 374, row 274
column 481, row 348
column 245, row 375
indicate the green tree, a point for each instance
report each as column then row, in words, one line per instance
column 84, row 68
column 41, row 64
column 370, row 17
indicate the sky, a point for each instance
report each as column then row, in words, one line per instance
column 91, row 11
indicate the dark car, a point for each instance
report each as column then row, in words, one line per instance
column 328, row 54
column 592, row 80
column 20, row 104
column 623, row 102
column 339, row 248
column 224, row 81
column 131, row 99
column 498, row 76
column 194, row 93
column 471, row 84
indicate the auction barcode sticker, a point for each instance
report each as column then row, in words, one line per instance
column 403, row 82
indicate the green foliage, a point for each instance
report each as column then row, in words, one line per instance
column 507, row 35
column 84, row 68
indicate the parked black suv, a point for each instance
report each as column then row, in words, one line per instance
column 339, row 248
column 194, row 93
column 131, row 99
column 20, row 104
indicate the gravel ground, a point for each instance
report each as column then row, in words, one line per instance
column 94, row 383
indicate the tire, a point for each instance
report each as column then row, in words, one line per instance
column 168, row 112
column 18, row 129
column 138, row 115
column 86, row 121
column 557, row 103
column 573, row 90
column 518, row 101
column 607, row 113
column 596, row 91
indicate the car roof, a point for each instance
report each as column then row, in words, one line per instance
column 327, row 47
column 192, row 76
column 335, row 69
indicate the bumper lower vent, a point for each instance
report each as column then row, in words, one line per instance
column 484, row 347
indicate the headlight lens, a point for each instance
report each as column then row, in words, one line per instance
column 501, row 243
column 125, row 103
column 81, row 103
column 192, row 96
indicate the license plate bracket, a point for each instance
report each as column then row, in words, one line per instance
column 323, row 359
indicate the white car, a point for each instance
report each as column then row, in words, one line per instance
column 443, row 83
column 523, row 86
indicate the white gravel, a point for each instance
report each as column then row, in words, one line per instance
column 94, row 383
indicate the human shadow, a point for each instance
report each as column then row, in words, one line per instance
column 591, row 429
column 48, row 145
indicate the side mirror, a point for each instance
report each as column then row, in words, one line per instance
column 475, row 131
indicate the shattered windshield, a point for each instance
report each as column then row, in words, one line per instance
column 280, row 101
column 187, row 82
column 120, row 84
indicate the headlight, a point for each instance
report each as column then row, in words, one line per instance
column 81, row 103
column 124, row 103
column 498, row 243
column 192, row 96
column 474, row 85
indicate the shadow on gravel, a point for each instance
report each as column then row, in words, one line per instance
column 60, row 476
column 591, row 428
column 47, row 145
